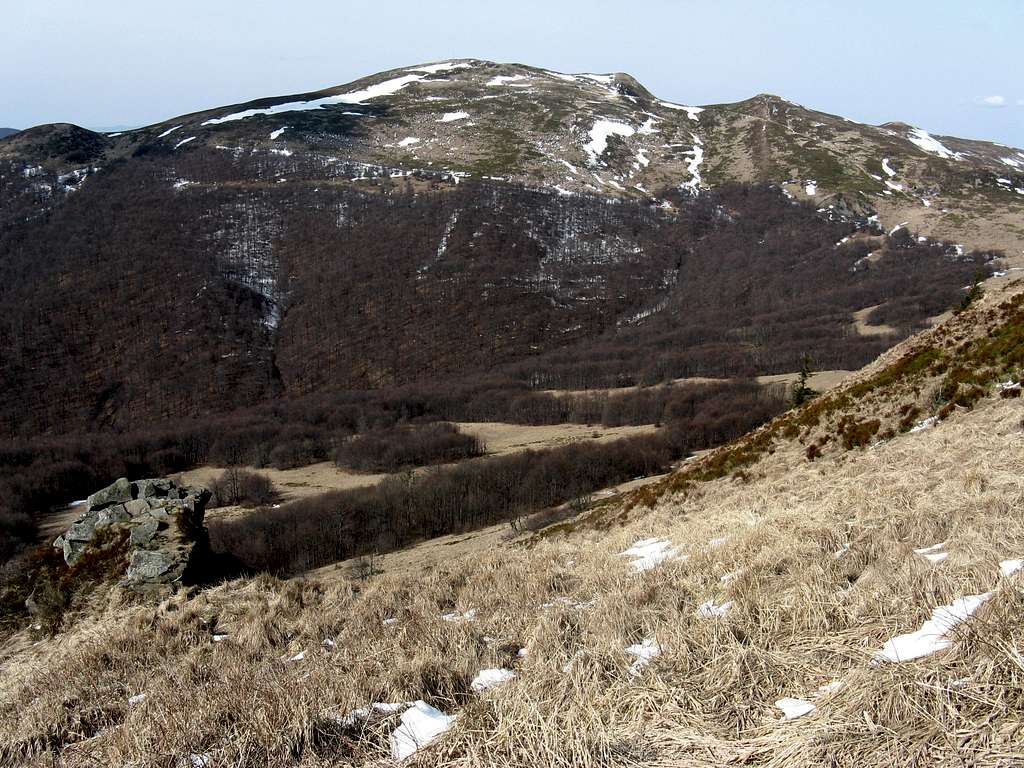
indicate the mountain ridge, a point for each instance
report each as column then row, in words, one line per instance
column 600, row 134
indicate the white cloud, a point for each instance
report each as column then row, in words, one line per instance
column 994, row 101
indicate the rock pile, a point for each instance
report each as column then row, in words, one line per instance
column 158, row 521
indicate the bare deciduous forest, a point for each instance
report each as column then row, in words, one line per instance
column 171, row 311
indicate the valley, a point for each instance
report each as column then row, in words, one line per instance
column 475, row 414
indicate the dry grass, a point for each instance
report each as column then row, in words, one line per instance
column 802, row 618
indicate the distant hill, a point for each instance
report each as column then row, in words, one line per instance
column 5, row 132
column 468, row 217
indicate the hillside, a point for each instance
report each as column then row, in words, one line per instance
column 5, row 132
column 841, row 586
column 337, row 240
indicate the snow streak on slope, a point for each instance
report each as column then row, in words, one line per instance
column 691, row 112
column 386, row 88
column 929, row 143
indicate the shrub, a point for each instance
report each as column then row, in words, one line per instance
column 858, row 434
column 240, row 487
column 390, row 450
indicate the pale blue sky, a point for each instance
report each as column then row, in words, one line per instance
column 115, row 62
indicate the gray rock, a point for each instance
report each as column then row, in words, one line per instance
column 73, row 550
column 143, row 533
column 158, row 548
column 117, row 492
column 115, row 514
column 136, row 507
column 84, row 528
column 148, row 566
column 154, row 488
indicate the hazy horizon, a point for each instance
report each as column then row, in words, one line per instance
column 942, row 66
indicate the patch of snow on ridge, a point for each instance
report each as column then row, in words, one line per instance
column 929, row 143
column 432, row 69
column 888, row 168
column 386, row 88
column 408, row 141
column 451, row 117
column 561, row 76
column 168, row 132
column 421, row 724
column 499, row 80
column 933, row 636
column 274, row 135
column 603, row 79
column 691, row 112
column 811, row 188
column 647, row 553
column 183, row 142
column 601, row 131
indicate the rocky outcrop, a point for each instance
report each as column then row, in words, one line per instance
column 158, row 522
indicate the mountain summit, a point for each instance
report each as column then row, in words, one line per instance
column 589, row 133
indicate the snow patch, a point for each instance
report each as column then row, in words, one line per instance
column 648, row 553
column 386, row 88
column 451, row 117
column 469, row 615
column 931, row 421
column 601, row 131
column 889, row 171
column 448, row 66
column 421, row 724
column 929, row 143
column 811, row 188
column 488, row 678
column 709, row 610
column 934, row 553
column 603, row 79
column 691, row 112
column 933, row 636
column 500, row 80
column 408, row 141
column 183, row 142
column 168, row 132
column 693, row 166
column 1010, row 567
column 794, row 708
column 274, row 135
column 644, row 651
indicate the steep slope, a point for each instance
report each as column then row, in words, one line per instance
column 5, row 132
column 466, row 216
column 776, row 616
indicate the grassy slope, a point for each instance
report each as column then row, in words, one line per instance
column 802, row 618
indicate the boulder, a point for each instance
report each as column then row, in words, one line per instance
column 118, row 491
column 149, row 565
column 164, row 521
